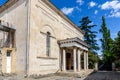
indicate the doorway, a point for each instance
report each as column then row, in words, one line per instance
column 69, row 61
column 8, row 63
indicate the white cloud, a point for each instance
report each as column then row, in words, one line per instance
column 77, row 8
column 92, row 4
column 113, row 6
column 114, row 14
column 80, row 2
column 67, row 11
column 96, row 11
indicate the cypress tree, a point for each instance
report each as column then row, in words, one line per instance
column 106, row 41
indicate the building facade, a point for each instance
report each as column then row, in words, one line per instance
column 37, row 38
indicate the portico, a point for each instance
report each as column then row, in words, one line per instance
column 71, row 51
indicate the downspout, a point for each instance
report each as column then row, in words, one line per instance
column 28, row 37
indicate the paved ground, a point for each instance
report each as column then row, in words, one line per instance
column 104, row 75
column 95, row 76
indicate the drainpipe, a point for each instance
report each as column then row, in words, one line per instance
column 28, row 37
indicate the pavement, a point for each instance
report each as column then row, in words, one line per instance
column 100, row 75
column 104, row 75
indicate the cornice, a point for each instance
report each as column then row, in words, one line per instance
column 7, row 5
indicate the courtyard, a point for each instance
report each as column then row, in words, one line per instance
column 100, row 75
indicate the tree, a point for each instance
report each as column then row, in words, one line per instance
column 116, row 47
column 116, row 50
column 90, row 39
column 90, row 36
column 107, row 42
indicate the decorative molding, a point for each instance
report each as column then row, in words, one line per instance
column 48, row 65
column 46, row 34
column 73, row 42
column 39, row 57
column 46, row 13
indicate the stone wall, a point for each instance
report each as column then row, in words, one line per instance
column 17, row 16
column 43, row 19
column 4, row 60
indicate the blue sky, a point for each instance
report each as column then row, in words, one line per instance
column 2, row 2
column 76, row 9
column 95, row 9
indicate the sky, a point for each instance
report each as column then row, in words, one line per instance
column 2, row 2
column 95, row 9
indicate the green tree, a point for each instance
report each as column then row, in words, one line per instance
column 107, row 42
column 90, row 36
column 116, row 50
column 90, row 39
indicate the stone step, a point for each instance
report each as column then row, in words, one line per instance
column 75, row 74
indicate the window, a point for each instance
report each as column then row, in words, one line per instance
column 48, row 44
column 8, row 53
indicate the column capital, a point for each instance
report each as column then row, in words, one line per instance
column 75, row 47
column 63, row 48
column 79, row 51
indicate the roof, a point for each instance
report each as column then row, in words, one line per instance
column 7, row 4
column 11, row 2
column 2, row 2
column 76, row 40
column 62, row 14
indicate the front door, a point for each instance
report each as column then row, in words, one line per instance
column 68, row 61
column 8, row 65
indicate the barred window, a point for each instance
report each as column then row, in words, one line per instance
column 48, row 44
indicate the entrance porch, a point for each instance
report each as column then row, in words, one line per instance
column 74, row 55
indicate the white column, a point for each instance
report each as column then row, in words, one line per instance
column 64, row 60
column 79, row 60
column 84, row 61
column 74, row 56
column 87, row 59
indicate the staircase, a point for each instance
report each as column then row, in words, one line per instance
column 80, row 74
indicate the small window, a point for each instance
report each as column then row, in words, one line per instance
column 48, row 43
column 8, row 53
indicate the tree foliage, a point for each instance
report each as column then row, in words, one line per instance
column 90, row 38
column 107, row 42
column 116, row 50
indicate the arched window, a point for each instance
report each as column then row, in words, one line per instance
column 48, row 44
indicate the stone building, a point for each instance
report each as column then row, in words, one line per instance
column 37, row 38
